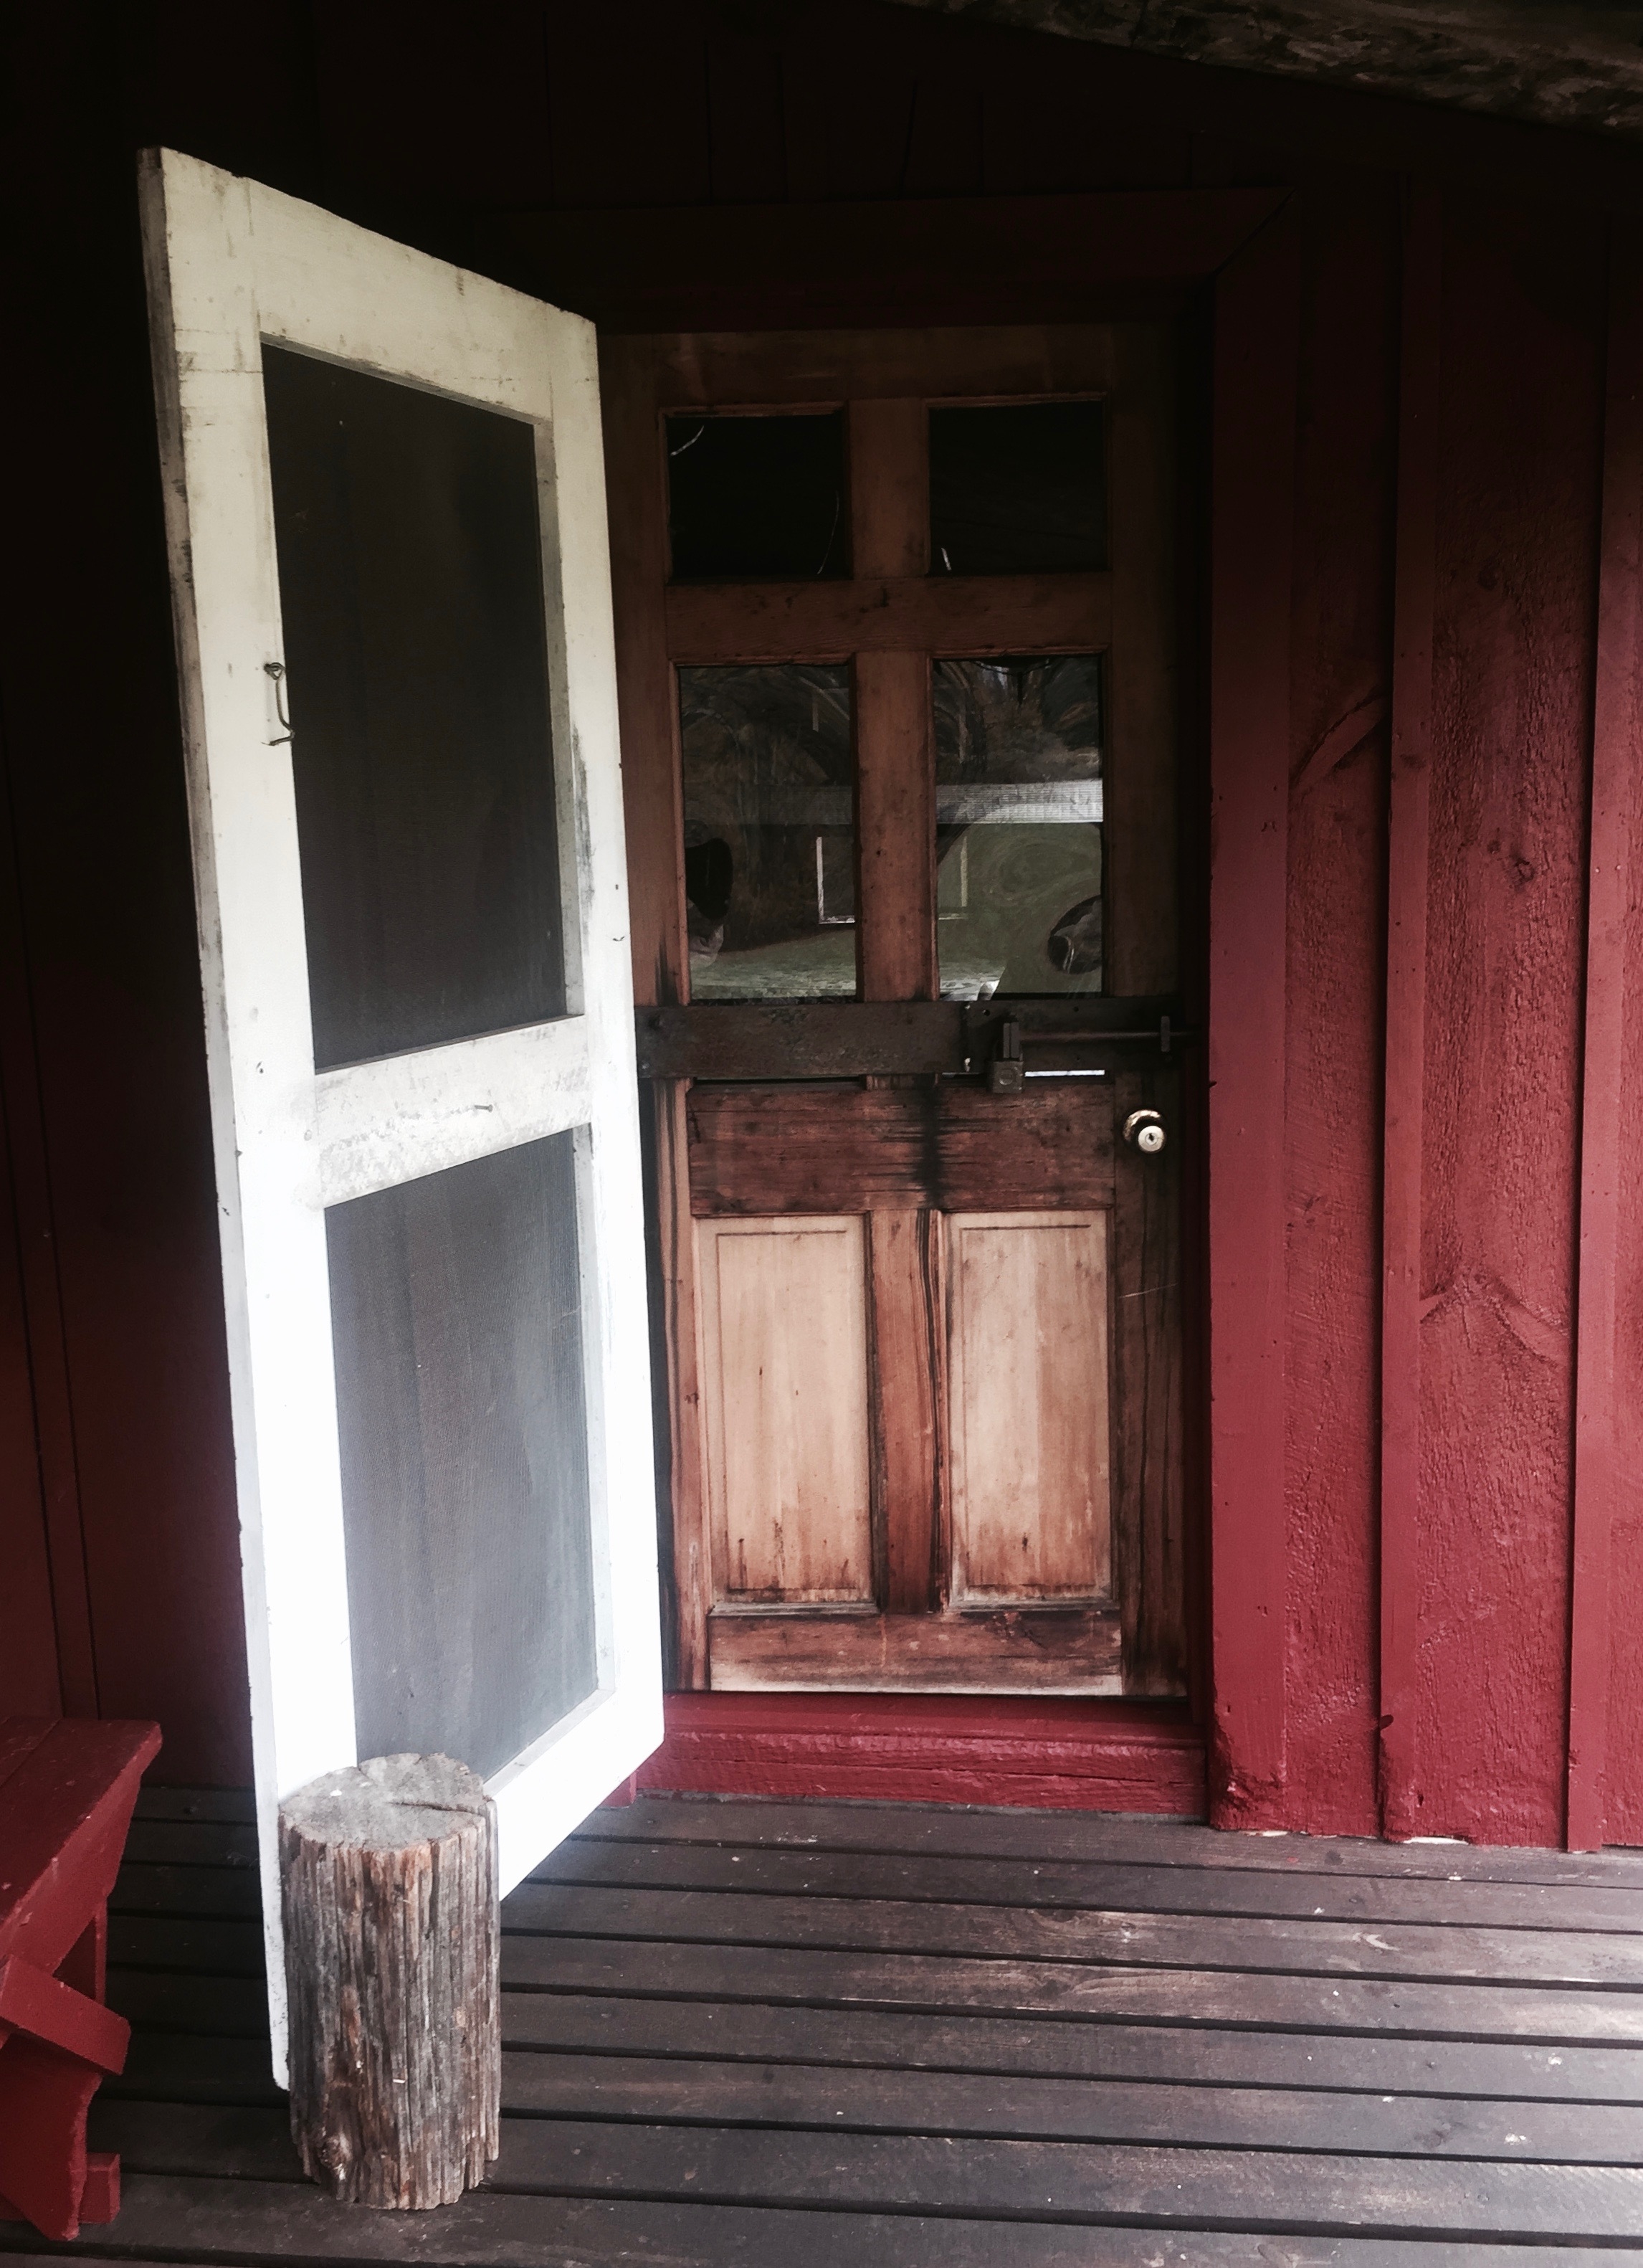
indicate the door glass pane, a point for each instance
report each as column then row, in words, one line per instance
column 770, row 832
column 456, row 1310
column 411, row 589
column 1018, row 809
column 751, row 499
column 1019, row 489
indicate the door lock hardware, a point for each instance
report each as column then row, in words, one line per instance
column 1144, row 1131
column 1007, row 1074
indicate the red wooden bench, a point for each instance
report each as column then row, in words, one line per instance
column 66, row 1787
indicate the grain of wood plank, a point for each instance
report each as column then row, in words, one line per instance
column 232, row 2007
column 1167, row 1996
column 227, row 1893
column 670, row 2090
column 251, row 2221
column 203, row 1806
column 191, row 1842
column 1024, row 1834
column 189, row 2067
column 865, row 2039
column 1271, row 2188
column 1130, row 1940
column 1095, row 2181
column 1065, row 1882
column 715, row 623
column 196, row 1947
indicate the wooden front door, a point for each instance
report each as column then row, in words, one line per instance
column 894, row 619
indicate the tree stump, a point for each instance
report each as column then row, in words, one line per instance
column 388, row 1884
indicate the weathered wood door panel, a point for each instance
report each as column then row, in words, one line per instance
column 903, row 736
column 1027, row 1399
column 784, row 1328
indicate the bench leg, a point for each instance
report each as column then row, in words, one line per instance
column 44, row 2097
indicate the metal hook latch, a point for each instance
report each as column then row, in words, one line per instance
column 276, row 671
column 1006, row 1074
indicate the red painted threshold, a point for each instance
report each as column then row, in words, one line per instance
column 1064, row 1756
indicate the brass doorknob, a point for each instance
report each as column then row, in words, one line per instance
column 1144, row 1131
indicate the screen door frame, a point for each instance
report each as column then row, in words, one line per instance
column 230, row 264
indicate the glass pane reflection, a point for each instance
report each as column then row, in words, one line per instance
column 769, row 831
column 1018, row 808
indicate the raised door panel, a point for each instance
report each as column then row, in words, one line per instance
column 1031, row 1470
column 785, row 1387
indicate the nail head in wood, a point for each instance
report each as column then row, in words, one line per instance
column 388, row 1881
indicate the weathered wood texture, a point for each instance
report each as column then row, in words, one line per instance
column 388, row 1886
column 760, row 1150
column 827, row 2032
column 1075, row 1755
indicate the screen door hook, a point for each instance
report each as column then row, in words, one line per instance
column 276, row 671
column 1144, row 1131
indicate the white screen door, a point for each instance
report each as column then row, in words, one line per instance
column 386, row 511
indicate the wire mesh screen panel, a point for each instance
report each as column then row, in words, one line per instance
column 457, row 1319
column 411, row 591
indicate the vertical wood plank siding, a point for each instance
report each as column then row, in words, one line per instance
column 661, row 118
column 1600, row 1383
column 1405, row 999
column 1256, row 354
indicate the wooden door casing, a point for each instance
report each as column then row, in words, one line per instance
column 903, row 1158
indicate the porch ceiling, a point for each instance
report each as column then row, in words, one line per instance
column 1578, row 66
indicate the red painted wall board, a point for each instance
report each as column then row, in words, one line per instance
column 29, row 1683
column 1257, row 351
column 1522, row 347
column 107, row 916
column 1408, row 893
column 1340, row 640
column 1605, row 1786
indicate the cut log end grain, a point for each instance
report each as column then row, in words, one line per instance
column 388, row 1884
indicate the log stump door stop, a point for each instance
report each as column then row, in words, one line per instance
column 385, row 511
column 895, row 623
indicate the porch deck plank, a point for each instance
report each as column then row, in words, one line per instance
column 607, row 1864
column 853, row 2034
column 1089, row 1837
column 1605, row 1961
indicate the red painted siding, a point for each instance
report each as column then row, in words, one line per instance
column 1340, row 647
column 426, row 123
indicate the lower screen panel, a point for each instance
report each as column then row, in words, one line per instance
column 456, row 1306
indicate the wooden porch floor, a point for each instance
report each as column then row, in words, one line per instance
column 802, row 2034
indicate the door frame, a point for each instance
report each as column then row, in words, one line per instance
column 1230, row 256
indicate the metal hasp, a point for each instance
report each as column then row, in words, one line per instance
column 1007, row 1074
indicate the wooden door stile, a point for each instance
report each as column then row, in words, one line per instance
column 908, row 1390
column 635, row 482
column 635, row 485
column 1140, row 820
column 676, row 1244
column 1148, row 1535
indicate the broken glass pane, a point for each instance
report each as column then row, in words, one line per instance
column 1018, row 811
column 769, row 831
column 1019, row 489
column 757, row 498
